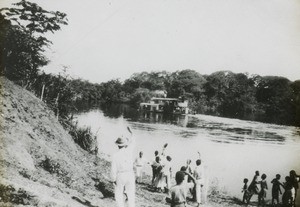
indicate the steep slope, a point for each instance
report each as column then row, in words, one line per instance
column 40, row 163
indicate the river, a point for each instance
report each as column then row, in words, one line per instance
column 231, row 149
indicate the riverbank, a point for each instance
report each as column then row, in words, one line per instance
column 40, row 165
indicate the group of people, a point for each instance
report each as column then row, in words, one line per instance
column 126, row 170
column 188, row 181
column 260, row 187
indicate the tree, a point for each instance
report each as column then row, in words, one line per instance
column 274, row 94
column 58, row 93
column 296, row 101
column 231, row 95
column 112, row 91
column 141, row 95
column 23, row 41
column 151, row 81
column 186, row 83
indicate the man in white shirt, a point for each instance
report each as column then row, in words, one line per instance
column 167, row 172
column 199, row 177
column 122, row 173
column 139, row 167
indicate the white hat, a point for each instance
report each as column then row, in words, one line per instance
column 122, row 141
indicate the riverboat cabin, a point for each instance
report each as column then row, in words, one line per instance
column 166, row 105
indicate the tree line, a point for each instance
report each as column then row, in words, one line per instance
column 269, row 99
column 224, row 93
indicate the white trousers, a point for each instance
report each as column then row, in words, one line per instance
column 125, row 181
column 199, row 190
column 139, row 172
column 204, row 191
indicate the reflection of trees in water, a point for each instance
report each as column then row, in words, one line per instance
column 132, row 114
column 84, row 106
column 216, row 129
column 118, row 110
column 152, row 117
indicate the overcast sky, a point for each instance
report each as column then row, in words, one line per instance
column 109, row 39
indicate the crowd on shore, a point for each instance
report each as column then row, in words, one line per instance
column 260, row 187
column 189, row 181
column 126, row 170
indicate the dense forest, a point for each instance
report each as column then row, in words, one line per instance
column 223, row 93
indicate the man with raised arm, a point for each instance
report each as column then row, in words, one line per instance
column 122, row 173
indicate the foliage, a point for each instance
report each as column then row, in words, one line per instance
column 86, row 91
column 151, row 81
column 186, row 83
column 112, row 91
column 23, row 41
column 223, row 93
column 230, row 94
column 9, row 194
column 84, row 137
column 295, row 101
column 141, row 95
column 58, row 92
column 274, row 94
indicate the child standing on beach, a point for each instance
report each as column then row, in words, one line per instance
column 263, row 190
column 153, row 166
column 157, row 172
column 295, row 181
column 287, row 197
column 245, row 191
column 253, row 189
column 276, row 189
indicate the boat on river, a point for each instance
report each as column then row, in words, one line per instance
column 166, row 105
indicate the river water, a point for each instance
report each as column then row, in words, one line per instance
column 231, row 149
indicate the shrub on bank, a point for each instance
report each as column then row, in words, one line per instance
column 84, row 137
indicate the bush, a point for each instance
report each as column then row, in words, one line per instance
column 9, row 194
column 84, row 138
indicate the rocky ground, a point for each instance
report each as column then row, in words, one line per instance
column 40, row 165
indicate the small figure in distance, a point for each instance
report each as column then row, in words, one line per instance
column 199, row 177
column 167, row 173
column 157, row 172
column 263, row 190
column 245, row 191
column 287, row 197
column 161, row 180
column 139, row 167
column 253, row 188
column 188, row 166
column 178, row 193
column 153, row 167
column 189, row 170
column 276, row 190
column 295, row 181
column 183, row 169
